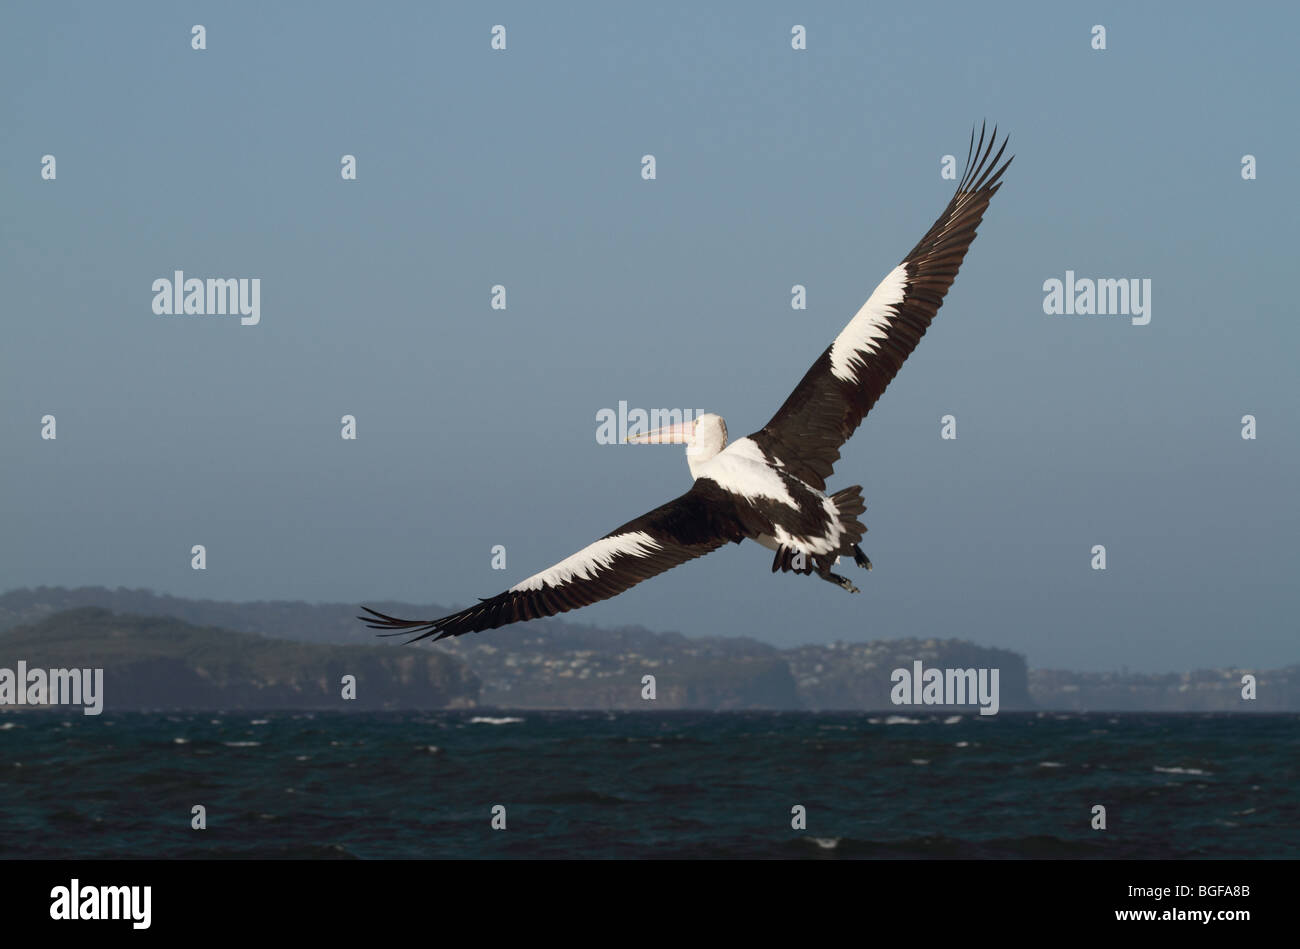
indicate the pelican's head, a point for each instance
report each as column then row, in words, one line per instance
column 704, row 436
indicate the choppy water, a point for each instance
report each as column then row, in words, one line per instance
column 594, row 784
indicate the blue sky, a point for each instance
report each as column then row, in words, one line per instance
column 775, row 167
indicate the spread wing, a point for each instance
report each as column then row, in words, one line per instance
column 700, row 521
column 839, row 390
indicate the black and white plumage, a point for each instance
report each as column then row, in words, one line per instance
column 770, row 486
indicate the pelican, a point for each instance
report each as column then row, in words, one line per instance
column 769, row 486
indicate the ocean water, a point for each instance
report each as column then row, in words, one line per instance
column 648, row 785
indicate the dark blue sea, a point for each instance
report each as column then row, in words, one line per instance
column 648, row 785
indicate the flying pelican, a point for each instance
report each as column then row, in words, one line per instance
column 769, row 486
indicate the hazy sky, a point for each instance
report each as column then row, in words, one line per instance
column 775, row 167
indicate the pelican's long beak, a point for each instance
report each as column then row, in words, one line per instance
column 678, row 434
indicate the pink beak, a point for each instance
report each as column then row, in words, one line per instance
column 678, row 434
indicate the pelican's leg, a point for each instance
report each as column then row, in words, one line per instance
column 861, row 559
column 839, row 581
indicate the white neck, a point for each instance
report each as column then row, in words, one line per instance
column 695, row 460
column 709, row 439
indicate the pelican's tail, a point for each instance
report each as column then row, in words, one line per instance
column 850, row 506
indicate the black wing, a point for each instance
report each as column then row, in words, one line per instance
column 700, row 521
column 839, row 390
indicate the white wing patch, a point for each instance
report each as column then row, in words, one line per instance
column 586, row 563
column 870, row 324
column 741, row 469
